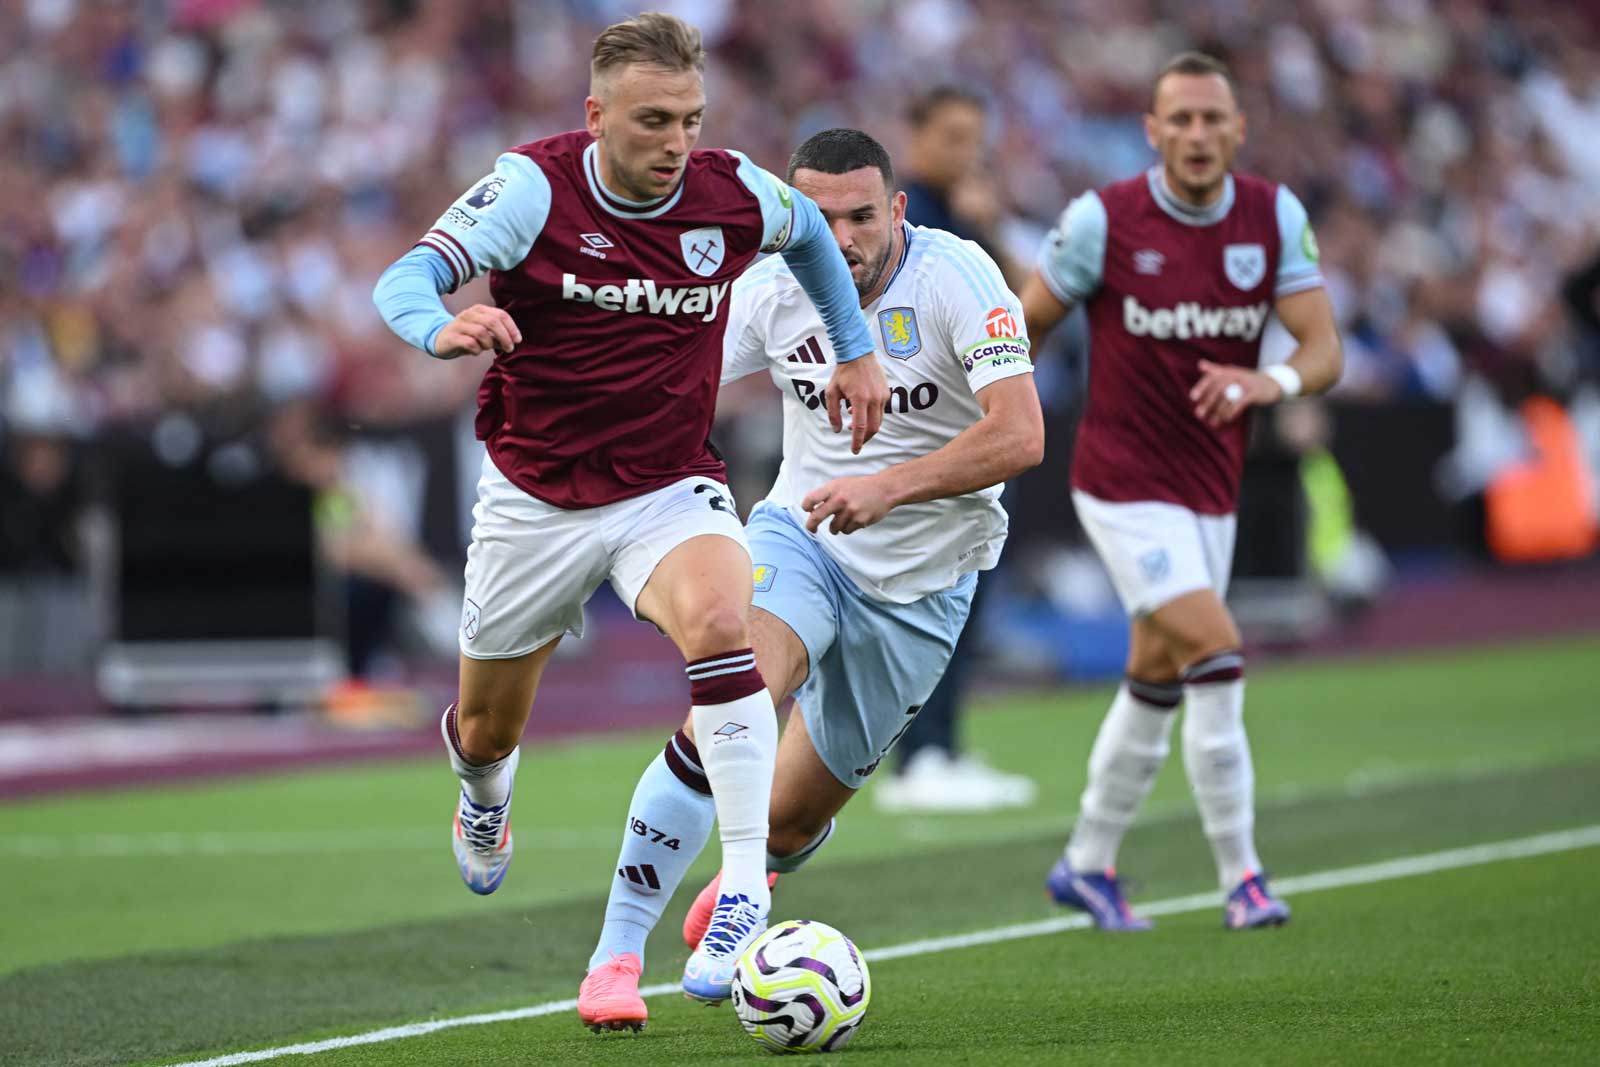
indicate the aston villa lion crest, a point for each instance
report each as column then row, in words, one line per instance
column 901, row 338
column 1245, row 265
column 703, row 249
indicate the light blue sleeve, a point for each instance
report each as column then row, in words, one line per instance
column 493, row 225
column 407, row 296
column 1072, row 260
column 793, row 226
column 490, row 227
column 1297, row 259
column 776, row 200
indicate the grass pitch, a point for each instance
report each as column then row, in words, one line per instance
column 160, row 926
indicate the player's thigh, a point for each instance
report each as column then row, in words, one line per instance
column 1153, row 551
column 680, row 560
column 530, row 568
column 865, row 691
column 496, row 696
column 805, row 794
column 1194, row 626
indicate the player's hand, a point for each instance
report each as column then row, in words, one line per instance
column 853, row 503
column 480, row 328
column 1223, row 393
column 863, row 388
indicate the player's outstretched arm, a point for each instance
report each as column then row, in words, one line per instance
column 491, row 226
column 1224, row 392
column 1006, row 441
column 407, row 296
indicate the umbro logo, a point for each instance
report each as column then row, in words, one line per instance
column 810, row 352
column 730, row 729
column 1148, row 261
column 593, row 243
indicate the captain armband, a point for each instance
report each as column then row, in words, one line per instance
column 996, row 352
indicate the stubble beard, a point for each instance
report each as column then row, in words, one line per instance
column 870, row 281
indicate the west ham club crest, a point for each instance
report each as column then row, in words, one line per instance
column 1245, row 265
column 703, row 249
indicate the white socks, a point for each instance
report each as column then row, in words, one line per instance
column 736, row 732
column 1132, row 745
column 1216, row 755
column 486, row 784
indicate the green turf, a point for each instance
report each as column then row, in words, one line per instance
column 123, row 942
column 1424, row 970
column 102, row 875
column 255, row 993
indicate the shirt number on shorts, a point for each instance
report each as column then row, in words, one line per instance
column 717, row 501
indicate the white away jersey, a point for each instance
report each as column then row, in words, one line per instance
column 945, row 326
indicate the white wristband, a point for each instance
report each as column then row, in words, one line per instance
column 1287, row 377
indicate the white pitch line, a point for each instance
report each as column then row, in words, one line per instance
column 1344, row 877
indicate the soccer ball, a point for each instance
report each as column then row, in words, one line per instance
column 801, row 987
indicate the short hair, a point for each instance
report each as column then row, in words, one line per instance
column 653, row 38
column 924, row 105
column 840, row 151
column 1199, row 63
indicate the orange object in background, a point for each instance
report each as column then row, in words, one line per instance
column 1543, row 509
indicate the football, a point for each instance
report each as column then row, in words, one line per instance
column 801, row 987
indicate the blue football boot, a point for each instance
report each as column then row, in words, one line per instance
column 1097, row 893
column 1251, row 905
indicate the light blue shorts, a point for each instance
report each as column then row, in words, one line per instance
column 872, row 663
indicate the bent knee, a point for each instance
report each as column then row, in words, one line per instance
column 485, row 736
column 716, row 626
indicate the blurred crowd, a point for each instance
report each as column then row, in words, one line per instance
column 196, row 196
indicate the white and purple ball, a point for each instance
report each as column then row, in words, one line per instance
column 801, row 987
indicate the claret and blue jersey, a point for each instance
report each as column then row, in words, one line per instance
column 621, row 305
column 1166, row 285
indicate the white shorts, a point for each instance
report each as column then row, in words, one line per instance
column 1156, row 552
column 532, row 565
